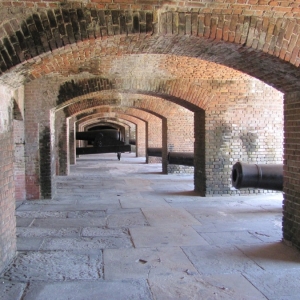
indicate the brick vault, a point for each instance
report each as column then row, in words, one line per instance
column 217, row 78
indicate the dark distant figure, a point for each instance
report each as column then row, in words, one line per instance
column 119, row 155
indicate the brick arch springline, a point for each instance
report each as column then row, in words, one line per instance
column 110, row 120
column 47, row 30
column 72, row 90
column 124, row 110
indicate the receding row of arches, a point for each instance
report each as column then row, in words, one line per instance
column 225, row 101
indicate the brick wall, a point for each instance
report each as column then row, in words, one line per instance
column 291, row 205
column 19, row 140
column 61, row 144
column 39, row 99
column 71, row 141
column 199, row 153
column 180, row 137
column 7, row 186
column 244, row 123
column 154, row 137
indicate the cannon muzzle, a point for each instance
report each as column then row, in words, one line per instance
column 157, row 152
column 268, row 177
column 181, row 158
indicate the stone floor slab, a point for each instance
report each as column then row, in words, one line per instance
column 29, row 243
column 230, row 238
column 105, row 232
column 277, row 285
column 41, row 214
column 85, row 243
column 166, row 236
column 25, row 232
column 138, row 201
column 235, row 286
column 130, row 219
column 11, row 290
column 169, row 216
column 145, row 263
column 212, row 260
column 61, row 223
column 55, row 265
column 86, row 214
column 273, row 256
column 104, row 290
column 24, row 222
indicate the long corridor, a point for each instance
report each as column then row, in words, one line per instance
column 123, row 230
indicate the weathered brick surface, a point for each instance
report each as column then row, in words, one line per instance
column 7, row 186
column 19, row 141
column 71, row 141
column 141, row 61
column 291, row 204
column 61, row 143
column 248, row 128
column 39, row 98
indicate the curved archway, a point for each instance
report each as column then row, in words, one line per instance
column 262, row 42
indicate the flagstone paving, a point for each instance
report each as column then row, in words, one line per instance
column 123, row 230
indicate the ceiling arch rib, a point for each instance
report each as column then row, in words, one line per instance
column 244, row 43
column 99, row 119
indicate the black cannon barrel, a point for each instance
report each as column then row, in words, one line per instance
column 105, row 133
column 132, row 142
column 181, row 158
column 157, row 152
column 104, row 149
column 268, row 177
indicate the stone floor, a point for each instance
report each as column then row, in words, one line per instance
column 122, row 230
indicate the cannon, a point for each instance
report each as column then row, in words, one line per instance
column 132, row 142
column 268, row 177
column 103, row 141
column 157, row 152
column 181, row 158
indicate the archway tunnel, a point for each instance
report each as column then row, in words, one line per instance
column 221, row 83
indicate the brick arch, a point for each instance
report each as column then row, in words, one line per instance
column 102, row 119
column 92, row 124
column 153, row 105
column 132, row 119
column 246, row 41
column 49, row 29
column 91, row 119
column 88, row 123
column 72, row 94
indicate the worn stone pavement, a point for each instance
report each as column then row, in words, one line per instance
column 122, row 230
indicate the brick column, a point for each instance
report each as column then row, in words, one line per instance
column 141, row 139
column 71, row 139
column 291, row 188
column 7, row 186
column 19, row 141
column 61, row 136
column 199, row 153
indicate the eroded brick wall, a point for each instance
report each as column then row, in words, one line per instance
column 61, row 143
column 154, row 138
column 199, row 153
column 7, row 186
column 40, row 97
column 19, row 141
column 180, row 137
column 291, row 204
column 71, row 141
column 245, row 123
